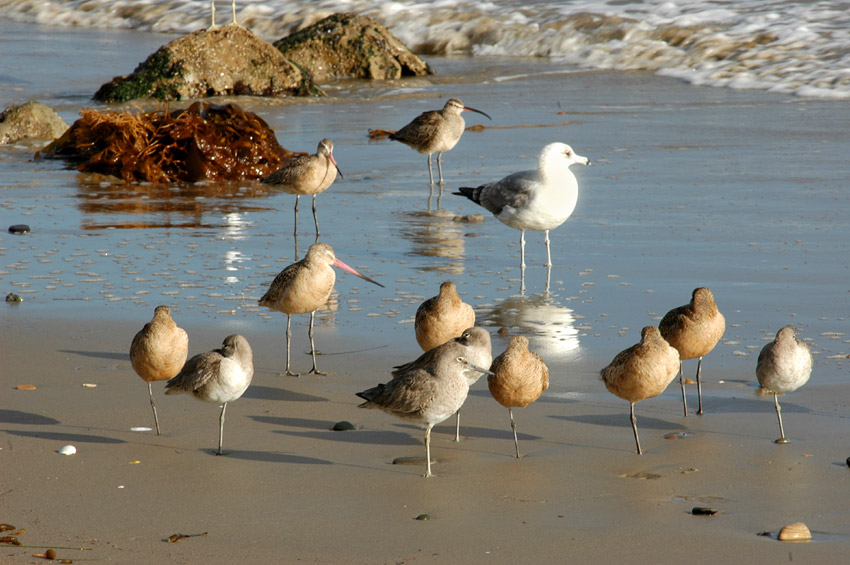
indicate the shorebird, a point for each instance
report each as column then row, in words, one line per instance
column 158, row 351
column 304, row 287
column 642, row 371
column 538, row 200
column 784, row 365
column 693, row 329
column 219, row 376
column 307, row 174
column 436, row 131
column 442, row 317
column 519, row 378
column 473, row 345
column 427, row 395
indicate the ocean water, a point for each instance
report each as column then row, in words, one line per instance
column 743, row 190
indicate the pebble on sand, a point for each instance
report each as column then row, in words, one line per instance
column 19, row 228
column 343, row 426
column 797, row 531
column 12, row 297
column 67, row 450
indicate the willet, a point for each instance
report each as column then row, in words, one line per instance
column 538, row 200
column 784, row 365
column 158, row 351
column 304, row 287
column 642, row 371
column 519, row 378
column 693, row 329
column 219, row 376
column 442, row 317
column 307, row 174
column 427, row 395
column 473, row 345
column 436, row 131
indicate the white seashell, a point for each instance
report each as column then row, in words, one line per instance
column 797, row 531
column 140, row 429
column 67, row 450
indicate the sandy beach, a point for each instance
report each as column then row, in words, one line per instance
column 740, row 191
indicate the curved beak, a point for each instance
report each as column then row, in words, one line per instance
column 344, row 267
column 331, row 157
column 468, row 109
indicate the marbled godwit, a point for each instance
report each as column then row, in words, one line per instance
column 436, row 131
column 219, row 376
column 442, row 317
column 158, row 351
column 642, row 371
column 307, row 174
column 693, row 329
column 519, row 378
column 538, row 200
column 784, row 365
column 473, row 345
column 304, row 287
column 426, row 395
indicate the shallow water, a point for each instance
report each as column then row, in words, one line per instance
column 740, row 191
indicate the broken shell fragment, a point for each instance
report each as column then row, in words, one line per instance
column 67, row 450
column 797, row 531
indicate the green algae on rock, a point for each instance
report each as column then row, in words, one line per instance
column 223, row 61
column 351, row 46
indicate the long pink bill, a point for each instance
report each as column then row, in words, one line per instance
column 344, row 267
column 331, row 157
column 468, row 109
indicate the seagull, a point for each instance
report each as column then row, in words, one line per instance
column 538, row 200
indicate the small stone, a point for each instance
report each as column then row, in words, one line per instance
column 50, row 554
column 847, row 461
column 503, row 332
column 703, row 511
column 797, row 531
column 782, row 441
column 19, row 228
column 67, row 450
column 423, row 517
column 14, row 298
column 343, row 426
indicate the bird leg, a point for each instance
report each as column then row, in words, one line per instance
column 155, row 419
column 430, row 172
column 288, row 341
column 682, row 382
column 315, row 218
column 221, row 427
column 699, row 386
column 440, row 168
column 779, row 415
column 634, row 425
column 457, row 428
column 428, row 451
column 314, row 370
column 522, row 260
column 295, row 228
column 548, row 254
column 513, row 427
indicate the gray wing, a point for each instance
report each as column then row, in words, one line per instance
column 513, row 191
column 195, row 373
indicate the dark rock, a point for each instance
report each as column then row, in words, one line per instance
column 31, row 120
column 226, row 60
column 351, row 46
column 343, row 426
column 12, row 297
column 19, row 229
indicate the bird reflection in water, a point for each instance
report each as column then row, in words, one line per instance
column 438, row 235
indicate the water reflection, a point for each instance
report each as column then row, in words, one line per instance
column 435, row 234
column 549, row 326
column 107, row 202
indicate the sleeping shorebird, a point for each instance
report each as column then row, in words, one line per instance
column 158, row 351
column 426, row 395
column 693, row 329
column 219, row 376
column 442, row 317
column 642, row 371
column 436, row 131
column 519, row 378
column 784, row 365
column 307, row 174
column 304, row 287
column 538, row 200
column 473, row 345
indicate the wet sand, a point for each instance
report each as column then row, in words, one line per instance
column 743, row 192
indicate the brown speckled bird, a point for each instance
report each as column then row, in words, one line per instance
column 693, row 329
column 442, row 317
column 519, row 378
column 642, row 371
column 158, row 351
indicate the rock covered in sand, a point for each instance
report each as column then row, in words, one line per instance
column 31, row 120
column 226, row 60
column 351, row 46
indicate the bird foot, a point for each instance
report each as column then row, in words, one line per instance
column 289, row 373
column 318, row 372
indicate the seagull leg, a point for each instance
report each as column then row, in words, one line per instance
column 221, row 427
column 155, row 419
column 315, row 218
column 295, row 228
column 428, row 451
column 288, row 341
column 440, row 168
column 522, row 260
column 314, row 370
column 699, row 385
column 513, row 427
column 430, row 172
column 779, row 415
column 634, row 425
column 457, row 428
column 682, row 382
column 548, row 253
